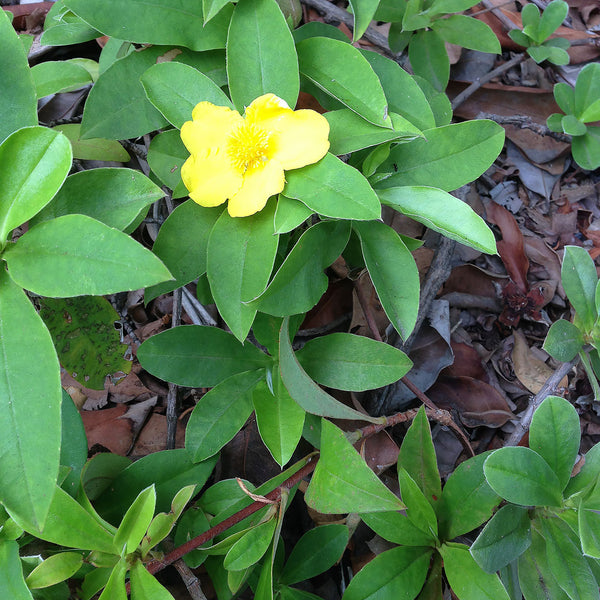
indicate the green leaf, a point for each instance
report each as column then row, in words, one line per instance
column 318, row 29
column 555, row 434
column 467, row 499
column 88, row 345
column 136, row 521
column 197, row 356
column 579, row 279
column 279, row 418
column 290, row 214
column 192, row 523
column 161, row 22
column 397, row 573
column 589, row 531
column 145, row 586
column 166, row 156
column 571, row 125
column 220, row 414
column 341, row 71
column 181, row 244
column 69, row 524
column 300, row 281
column 351, row 362
column 73, row 444
column 175, row 88
column 450, row 157
column 520, row 475
column 304, row 390
column 53, row 77
column 588, row 475
column 557, row 56
column 415, row 17
column 418, row 510
column 212, row 8
column 404, row 95
column 393, row 272
column 315, row 552
column 552, row 17
column 240, row 258
column 364, row 11
column 417, row 456
column 332, row 188
column 342, row 481
column 261, row 56
column 467, row 32
column 586, row 149
column 30, row 398
column 251, row 547
column 450, row 6
column 92, row 149
column 169, row 470
column 117, row 106
column 566, row 561
column 587, row 93
column 443, row 213
column 12, row 584
column 76, row 255
column 438, row 101
column 18, row 91
column 504, row 538
column 63, row 28
column 429, row 59
column 112, row 196
column 54, row 569
column 395, row 527
column 563, row 340
column 115, row 586
column 465, row 577
column 520, row 38
column 564, row 95
column 349, row 132
column 34, row 163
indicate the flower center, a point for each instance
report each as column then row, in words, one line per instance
column 248, row 146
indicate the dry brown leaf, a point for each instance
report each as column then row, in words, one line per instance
column 530, row 371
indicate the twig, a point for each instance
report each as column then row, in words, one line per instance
column 139, row 152
column 525, row 123
column 525, row 416
column 195, row 311
column 364, row 304
column 172, row 394
column 190, row 581
column 466, row 93
column 506, row 22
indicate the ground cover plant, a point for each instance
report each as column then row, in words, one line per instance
column 288, row 169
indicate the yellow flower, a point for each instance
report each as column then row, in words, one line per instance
column 243, row 159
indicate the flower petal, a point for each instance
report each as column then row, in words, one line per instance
column 259, row 185
column 299, row 139
column 210, row 127
column 265, row 109
column 210, row 178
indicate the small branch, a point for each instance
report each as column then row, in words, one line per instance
column 525, row 123
column 466, row 93
column 548, row 388
column 369, row 318
column 506, row 22
column 172, row 395
column 195, row 311
column 190, row 581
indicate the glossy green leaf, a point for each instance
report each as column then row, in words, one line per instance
column 393, row 272
column 467, row 32
column 418, row 510
column 290, row 214
column 571, row 125
column 333, row 189
column 54, row 569
column 52, row 77
column 397, row 573
column 587, row 93
column 62, row 28
column 567, row 563
column 589, row 474
column 73, row 444
column 467, row 499
column 438, row 101
column 552, row 17
column 364, row 11
column 161, row 22
column 181, row 244
column 35, row 162
column 251, row 547
column 563, row 340
column 443, row 213
column 145, row 586
column 342, row 481
column 261, row 56
column 520, row 475
column 18, row 91
column 136, row 521
column 290, row 593
column 465, row 577
column 117, row 106
column 555, row 434
column 342, row 72
column 300, row 281
column 429, row 59
column 192, row 523
column 166, row 156
column 504, row 538
column 115, row 586
column 76, row 255
column 196, row 356
column 113, row 196
column 589, row 531
column 99, row 472
column 169, row 470
column 175, row 88
column 579, row 279
column 448, row 158
column 318, row 29
column 564, row 95
column 220, row 414
column 240, row 258
column 12, row 584
column 304, row 390
column 350, row 362
column 315, row 552
column 395, row 527
column 92, row 149
column 88, row 345
column 404, row 95
column 417, row 456
column 279, row 418
column 30, row 399
column 586, row 148
column 212, row 8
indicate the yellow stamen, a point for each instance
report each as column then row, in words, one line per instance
column 248, row 146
